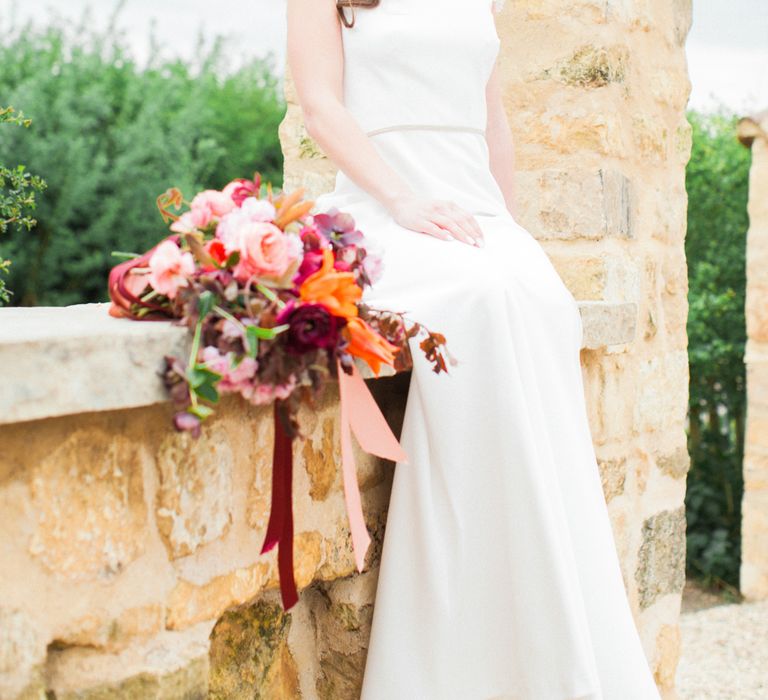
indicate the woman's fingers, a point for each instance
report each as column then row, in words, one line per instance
column 469, row 223
column 455, row 227
column 434, row 230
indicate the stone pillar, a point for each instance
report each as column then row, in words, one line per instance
column 595, row 92
column 753, row 132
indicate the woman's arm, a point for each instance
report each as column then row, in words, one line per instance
column 316, row 62
column 500, row 142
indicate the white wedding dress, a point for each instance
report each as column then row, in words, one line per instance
column 499, row 575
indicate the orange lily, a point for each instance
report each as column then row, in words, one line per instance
column 366, row 343
column 335, row 290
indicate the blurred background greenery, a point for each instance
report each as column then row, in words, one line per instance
column 717, row 182
column 109, row 136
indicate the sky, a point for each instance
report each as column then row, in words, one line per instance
column 727, row 47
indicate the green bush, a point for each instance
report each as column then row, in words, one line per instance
column 717, row 184
column 17, row 197
column 110, row 137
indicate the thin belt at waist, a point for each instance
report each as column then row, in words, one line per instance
column 432, row 127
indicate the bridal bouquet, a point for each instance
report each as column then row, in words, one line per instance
column 272, row 296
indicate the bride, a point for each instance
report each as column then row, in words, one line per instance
column 499, row 577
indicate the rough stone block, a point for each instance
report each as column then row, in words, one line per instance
column 572, row 128
column 586, row 276
column 667, row 655
column 250, row 657
column 757, row 311
column 591, row 66
column 573, row 204
column 675, row 464
column 114, row 632
column 22, row 655
column 71, row 350
column 757, row 383
column 607, row 324
column 195, row 497
column 756, row 471
column 662, row 393
column 613, row 474
column 88, row 497
column 170, row 666
column 754, row 545
column 661, row 558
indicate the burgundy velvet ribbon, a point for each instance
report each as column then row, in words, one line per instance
column 280, row 525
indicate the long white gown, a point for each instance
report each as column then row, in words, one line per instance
column 499, row 576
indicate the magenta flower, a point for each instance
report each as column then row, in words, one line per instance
column 311, row 263
column 241, row 189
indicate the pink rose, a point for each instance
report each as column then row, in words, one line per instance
column 252, row 210
column 264, row 250
column 258, row 209
column 218, row 203
column 192, row 220
column 169, row 268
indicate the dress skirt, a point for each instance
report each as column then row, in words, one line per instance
column 499, row 577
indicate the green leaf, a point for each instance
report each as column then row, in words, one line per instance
column 206, row 302
column 201, row 411
column 200, row 374
column 252, row 336
column 267, row 333
column 208, row 392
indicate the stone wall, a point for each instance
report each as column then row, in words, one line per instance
column 753, row 131
column 131, row 565
column 130, row 553
column 595, row 92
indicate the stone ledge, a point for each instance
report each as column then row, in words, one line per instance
column 76, row 359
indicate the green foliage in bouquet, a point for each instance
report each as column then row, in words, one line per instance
column 17, row 197
column 109, row 134
column 717, row 184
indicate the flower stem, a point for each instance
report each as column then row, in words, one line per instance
column 123, row 254
column 267, row 292
column 225, row 314
column 193, row 356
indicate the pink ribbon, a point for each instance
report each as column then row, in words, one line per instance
column 360, row 414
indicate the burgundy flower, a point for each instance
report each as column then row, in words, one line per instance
column 311, row 326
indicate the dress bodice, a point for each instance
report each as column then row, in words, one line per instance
column 419, row 62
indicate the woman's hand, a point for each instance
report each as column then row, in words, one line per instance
column 440, row 218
